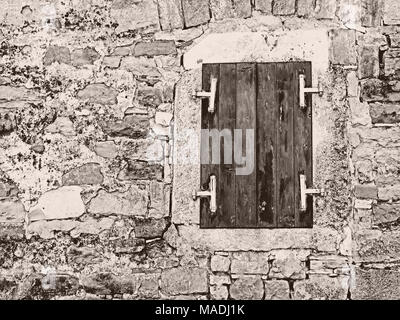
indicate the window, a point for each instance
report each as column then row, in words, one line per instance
column 263, row 97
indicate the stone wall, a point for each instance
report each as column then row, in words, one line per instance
column 90, row 95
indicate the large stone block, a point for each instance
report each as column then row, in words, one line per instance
column 391, row 14
column 144, row 69
column 81, row 57
column 247, row 288
column 369, row 62
column 11, row 211
column 264, row 6
column 184, row 280
column 195, row 12
column 376, row 284
column 322, row 288
column 366, row 192
column 325, row 9
column 57, row 54
column 150, row 228
column 250, row 263
column 130, row 203
column 392, row 62
column 305, row 8
column 87, row 174
column 135, row 14
column 98, row 93
column 230, row 9
column 62, row 203
column 171, row 16
column 386, row 212
column 289, row 264
column 11, row 93
column 220, row 263
column 343, row 47
column 372, row 12
column 389, row 193
column 155, row 48
column 284, row 7
column 384, row 113
column 276, row 290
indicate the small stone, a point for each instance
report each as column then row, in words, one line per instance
column 220, row 263
column 149, row 96
column 369, row 62
column 392, row 61
column 106, row 149
column 132, row 126
column 62, row 125
column 81, row 57
column 150, row 228
column 362, row 204
column 250, row 263
column 219, row 292
column 130, row 245
column 305, row 8
column 264, row 6
column 155, row 48
column 163, row 118
column 123, row 50
column 325, row 9
column 342, row 49
column 366, row 192
column 141, row 170
column 389, row 193
column 171, row 16
column 247, row 288
column 98, row 93
column 352, row 84
column 57, row 54
column 276, row 290
column 62, row 203
column 87, row 174
column 184, row 280
column 84, row 255
column 112, row 62
column 284, row 7
column 143, row 68
column 220, row 279
column 134, row 202
column 195, row 12
column 11, row 211
column 134, row 15
column 386, row 213
column 288, row 264
column 38, row 147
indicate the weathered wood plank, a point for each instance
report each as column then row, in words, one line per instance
column 303, row 145
column 285, row 163
column 208, row 121
column 246, row 213
column 266, row 136
column 227, row 122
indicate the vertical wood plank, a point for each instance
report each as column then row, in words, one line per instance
column 246, row 213
column 285, row 159
column 227, row 122
column 303, row 145
column 266, row 136
column 208, row 121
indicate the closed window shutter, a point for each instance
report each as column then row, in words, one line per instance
column 263, row 97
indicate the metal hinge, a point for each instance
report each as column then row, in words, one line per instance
column 208, row 95
column 211, row 192
column 304, row 90
column 304, row 192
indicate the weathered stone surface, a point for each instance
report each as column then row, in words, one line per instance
column 131, row 203
column 149, row 96
column 171, row 16
column 391, row 14
column 384, row 113
column 11, row 211
column 220, row 263
column 7, row 188
column 155, row 48
column 373, row 90
column 91, row 226
column 276, row 290
column 132, row 126
column 325, row 9
column 98, row 93
column 289, row 264
column 11, row 93
column 230, row 9
column 163, row 118
column 130, row 245
column 195, row 12
column 144, row 69
column 62, row 125
column 62, row 203
column 112, row 62
column 89, row 173
column 366, row 192
column 219, row 292
column 84, row 255
column 159, row 199
column 150, row 228
column 220, row 279
column 342, row 50
column 57, row 54
column 321, row 288
column 305, row 8
column 386, row 213
column 7, row 122
column 184, row 280
column 134, row 15
column 372, row 12
column 141, row 170
column 106, row 149
column 284, row 7
column 264, row 6
column 376, row 284
column 369, row 62
column 392, row 62
column 250, row 263
column 389, row 193
column 81, row 57
column 247, row 288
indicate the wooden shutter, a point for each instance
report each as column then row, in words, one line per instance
column 263, row 97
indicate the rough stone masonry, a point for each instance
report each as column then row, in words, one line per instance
column 87, row 88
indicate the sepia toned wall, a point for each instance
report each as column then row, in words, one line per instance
column 95, row 98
